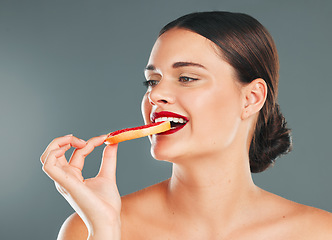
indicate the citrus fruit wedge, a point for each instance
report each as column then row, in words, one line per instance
column 137, row 132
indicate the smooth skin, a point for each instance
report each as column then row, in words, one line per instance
column 211, row 194
column 96, row 200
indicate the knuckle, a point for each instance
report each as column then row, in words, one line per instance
column 42, row 158
column 49, row 162
column 46, row 167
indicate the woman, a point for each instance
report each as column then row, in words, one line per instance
column 218, row 71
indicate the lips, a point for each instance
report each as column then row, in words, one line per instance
column 177, row 121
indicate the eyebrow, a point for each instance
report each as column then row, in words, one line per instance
column 151, row 67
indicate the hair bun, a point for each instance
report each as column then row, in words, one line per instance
column 271, row 140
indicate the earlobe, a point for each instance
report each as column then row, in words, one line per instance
column 254, row 96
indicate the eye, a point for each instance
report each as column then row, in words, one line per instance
column 185, row 79
column 150, row 83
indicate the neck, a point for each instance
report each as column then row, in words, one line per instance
column 213, row 191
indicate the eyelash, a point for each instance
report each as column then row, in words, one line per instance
column 187, row 79
column 182, row 79
column 150, row 83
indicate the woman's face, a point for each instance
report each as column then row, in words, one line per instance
column 189, row 81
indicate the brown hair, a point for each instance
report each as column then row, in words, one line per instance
column 249, row 48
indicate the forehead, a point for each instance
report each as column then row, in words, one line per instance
column 184, row 45
column 181, row 35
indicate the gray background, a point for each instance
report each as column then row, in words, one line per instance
column 77, row 67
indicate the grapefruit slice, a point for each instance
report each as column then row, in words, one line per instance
column 137, row 132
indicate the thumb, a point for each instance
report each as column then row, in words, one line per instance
column 108, row 164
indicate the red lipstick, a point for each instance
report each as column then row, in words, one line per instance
column 167, row 114
column 177, row 124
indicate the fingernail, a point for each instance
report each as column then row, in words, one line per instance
column 81, row 140
column 69, row 135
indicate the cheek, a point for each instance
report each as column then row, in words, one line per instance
column 146, row 108
column 211, row 106
column 216, row 115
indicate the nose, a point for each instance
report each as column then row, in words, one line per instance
column 161, row 94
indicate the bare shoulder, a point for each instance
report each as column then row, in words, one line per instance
column 142, row 199
column 311, row 223
column 299, row 221
column 318, row 221
column 73, row 228
column 139, row 211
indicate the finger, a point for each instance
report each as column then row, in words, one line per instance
column 60, row 152
column 60, row 142
column 54, row 160
column 56, row 167
column 77, row 159
column 68, row 139
column 108, row 164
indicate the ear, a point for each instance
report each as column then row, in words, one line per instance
column 254, row 97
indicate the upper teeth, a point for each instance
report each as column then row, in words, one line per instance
column 171, row 119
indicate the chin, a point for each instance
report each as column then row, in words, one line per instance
column 160, row 154
column 162, row 151
column 172, row 154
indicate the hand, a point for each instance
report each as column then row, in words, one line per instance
column 96, row 200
